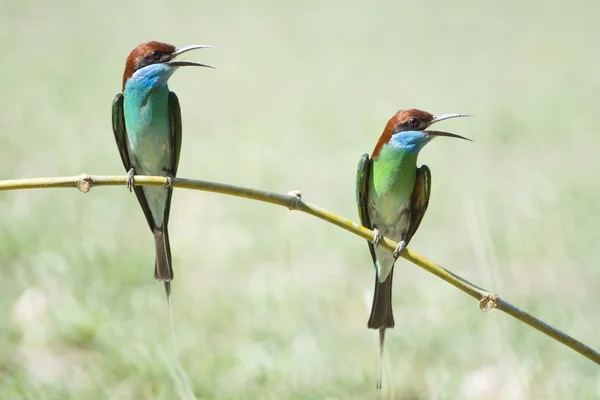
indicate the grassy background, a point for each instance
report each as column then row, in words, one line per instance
column 274, row 304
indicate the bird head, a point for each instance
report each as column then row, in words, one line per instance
column 408, row 129
column 154, row 62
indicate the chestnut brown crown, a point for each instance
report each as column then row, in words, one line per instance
column 145, row 54
column 404, row 120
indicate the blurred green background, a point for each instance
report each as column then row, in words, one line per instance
column 273, row 304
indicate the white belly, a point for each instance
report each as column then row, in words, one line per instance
column 392, row 217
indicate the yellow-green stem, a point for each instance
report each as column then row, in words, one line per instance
column 487, row 300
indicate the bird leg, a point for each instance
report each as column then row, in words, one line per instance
column 378, row 237
column 129, row 181
column 401, row 246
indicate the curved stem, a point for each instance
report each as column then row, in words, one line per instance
column 293, row 201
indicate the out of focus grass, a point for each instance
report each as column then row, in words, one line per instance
column 273, row 304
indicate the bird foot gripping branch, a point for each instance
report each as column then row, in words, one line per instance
column 377, row 238
column 129, row 182
column 401, row 246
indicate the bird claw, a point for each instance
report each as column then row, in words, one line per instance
column 378, row 237
column 169, row 183
column 401, row 246
column 129, row 181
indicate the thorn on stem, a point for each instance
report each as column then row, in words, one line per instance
column 85, row 183
column 488, row 302
column 298, row 196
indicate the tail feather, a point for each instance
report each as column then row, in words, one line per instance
column 381, row 344
column 163, row 268
column 168, row 292
column 382, row 315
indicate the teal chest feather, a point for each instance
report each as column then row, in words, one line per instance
column 147, row 122
column 148, row 129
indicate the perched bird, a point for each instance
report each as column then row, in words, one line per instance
column 392, row 195
column 146, row 122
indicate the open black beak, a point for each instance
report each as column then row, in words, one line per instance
column 181, row 50
column 447, row 134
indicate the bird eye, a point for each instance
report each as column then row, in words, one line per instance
column 155, row 55
column 414, row 122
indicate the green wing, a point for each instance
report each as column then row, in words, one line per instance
column 118, row 122
column 420, row 200
column 362, row 195
column 175, row 122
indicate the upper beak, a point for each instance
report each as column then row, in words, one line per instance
column 448, row 134
column 181, row 50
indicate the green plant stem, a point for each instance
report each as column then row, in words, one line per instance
column 293, row 201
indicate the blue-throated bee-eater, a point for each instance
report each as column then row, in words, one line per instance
column 146, row 122
column 392, row 196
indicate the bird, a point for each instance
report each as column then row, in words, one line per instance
column 392, row 195
column 146, row 120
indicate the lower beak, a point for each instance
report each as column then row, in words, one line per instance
column 181, row 50
column 447, row 134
